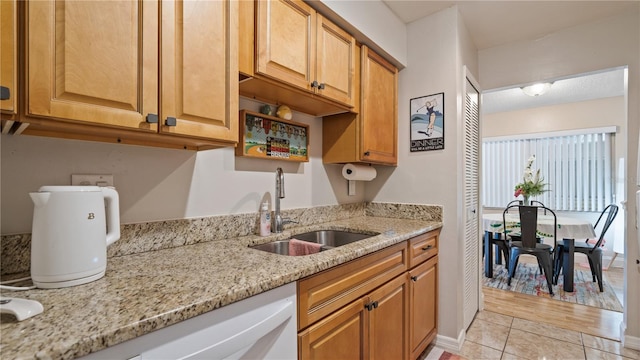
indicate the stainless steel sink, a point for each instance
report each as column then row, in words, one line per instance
column 328, row 238
column 332, row 238
column 277, row 247
column 280, row 247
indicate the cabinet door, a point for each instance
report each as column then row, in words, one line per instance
column 379, row 109
column 341, row 335
column 388, row 320
column 8, row 59
column 286, row 41
column 200, row 69
column 93, row 61
column 336, row 53
column 423, row 305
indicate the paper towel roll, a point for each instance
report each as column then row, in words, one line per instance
column 359, row 172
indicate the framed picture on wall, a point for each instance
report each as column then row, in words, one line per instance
column 427, row 122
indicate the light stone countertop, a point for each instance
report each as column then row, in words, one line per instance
column 148, row 291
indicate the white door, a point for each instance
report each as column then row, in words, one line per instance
column 471, row 201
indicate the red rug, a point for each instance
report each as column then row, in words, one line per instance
column 449, row 356
column 440, row 354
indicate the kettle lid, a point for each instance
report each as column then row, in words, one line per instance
column 65, row 188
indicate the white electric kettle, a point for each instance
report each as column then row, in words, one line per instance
column 70, row 234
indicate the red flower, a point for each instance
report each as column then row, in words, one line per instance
column 518, row 192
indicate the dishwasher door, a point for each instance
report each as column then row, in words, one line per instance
column 263, row 326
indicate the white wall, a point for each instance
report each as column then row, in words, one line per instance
column 163, row 184
column 569, row 116
column 390, row 38
column 608, row 43
column 431, row 177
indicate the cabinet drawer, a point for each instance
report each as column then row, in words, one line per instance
column 321, row 294
column 423, row 247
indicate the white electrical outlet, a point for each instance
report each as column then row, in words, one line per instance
column 92, row 180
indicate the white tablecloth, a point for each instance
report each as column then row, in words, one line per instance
column 568, row 228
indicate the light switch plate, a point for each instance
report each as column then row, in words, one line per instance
column 92, row 180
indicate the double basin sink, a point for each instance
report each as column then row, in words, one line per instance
column 329, row 239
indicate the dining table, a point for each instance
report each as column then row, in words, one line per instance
column 568, row 229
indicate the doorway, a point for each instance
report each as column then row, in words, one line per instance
column 575, row 102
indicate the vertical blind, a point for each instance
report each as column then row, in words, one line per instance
column 577, row 168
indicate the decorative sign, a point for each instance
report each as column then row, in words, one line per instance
column 427, row 122
column 268, row 137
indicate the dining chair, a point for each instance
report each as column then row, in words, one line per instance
column 528, row 243
column 502, row 242
column 593, row 250
column 516, row 236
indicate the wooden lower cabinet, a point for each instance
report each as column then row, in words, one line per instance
column 372, row 307
column 423, row 306
column 341, row 335
column 388, row 320
column 372, row 327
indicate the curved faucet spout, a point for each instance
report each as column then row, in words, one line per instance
column 279, row 194
column 279, row 184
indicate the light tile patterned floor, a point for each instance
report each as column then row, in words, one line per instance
column 496, row 336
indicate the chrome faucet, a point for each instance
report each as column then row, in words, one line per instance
column 278, row 221
column 277, row 218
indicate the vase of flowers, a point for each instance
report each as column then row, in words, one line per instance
column 532, row 183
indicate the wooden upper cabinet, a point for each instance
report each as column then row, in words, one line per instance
column 379, row 109
column 94, row 69
column 8, row 58
column 199, row 73
column 301, row 48
column 286, row 38
column 335, row 62
column 371, row 135
column 93, row 61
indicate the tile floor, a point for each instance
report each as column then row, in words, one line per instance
column 497, row 336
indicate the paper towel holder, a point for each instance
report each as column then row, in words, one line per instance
column 353, row 173
column 351, row 184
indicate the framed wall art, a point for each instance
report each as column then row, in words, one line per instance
column 268, row 137
column 427, row 122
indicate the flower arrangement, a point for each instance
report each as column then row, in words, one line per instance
column 532, row 184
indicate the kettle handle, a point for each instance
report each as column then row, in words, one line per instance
column 113, row 214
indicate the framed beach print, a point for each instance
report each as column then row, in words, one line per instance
column 268, row 137
column 427, row 122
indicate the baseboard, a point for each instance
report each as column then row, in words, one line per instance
column 628, row 341
column 450, row 344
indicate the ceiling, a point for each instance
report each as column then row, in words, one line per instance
column 591, row 86
column 495, row 23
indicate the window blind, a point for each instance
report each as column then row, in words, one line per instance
column 578, row 169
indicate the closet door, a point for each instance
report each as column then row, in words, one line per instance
column 471, row 201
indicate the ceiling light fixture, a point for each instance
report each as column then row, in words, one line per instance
column 536, row 89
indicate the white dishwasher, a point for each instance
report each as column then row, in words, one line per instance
column 263, row 326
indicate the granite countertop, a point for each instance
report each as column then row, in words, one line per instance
column 148, row 291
